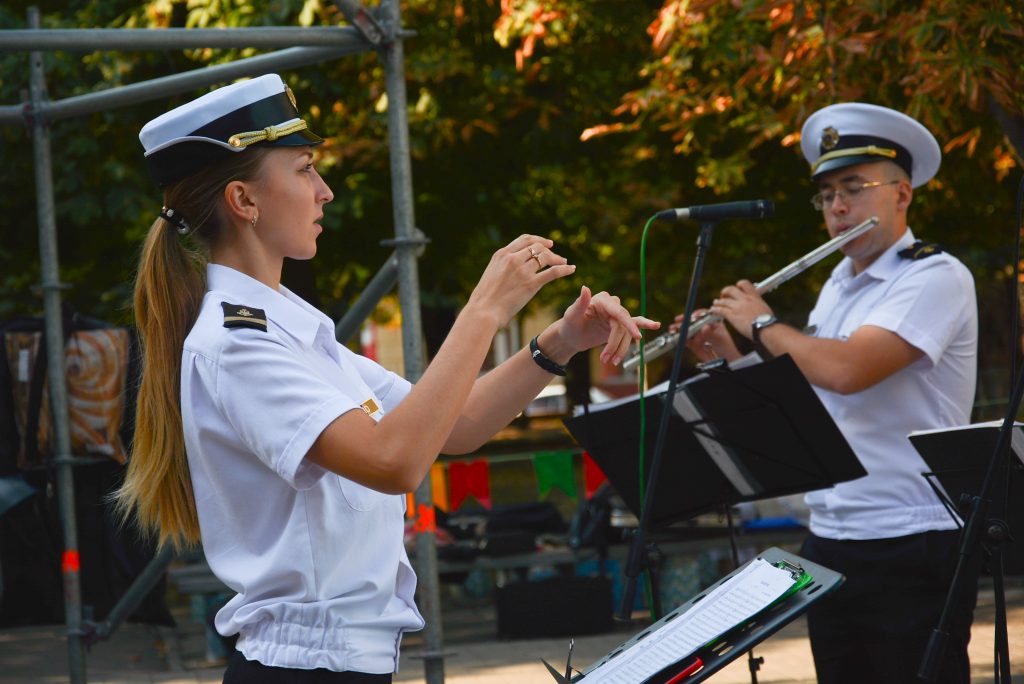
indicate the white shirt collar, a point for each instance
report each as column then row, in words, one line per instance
column 284, row 307
column 882, row 268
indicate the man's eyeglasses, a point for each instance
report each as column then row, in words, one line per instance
column 847, row 192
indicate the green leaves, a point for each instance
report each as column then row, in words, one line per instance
column 576, row 119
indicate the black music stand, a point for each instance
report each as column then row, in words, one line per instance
column 957, row 458
column 744, row 637
column 752, row 433
column 969, row 483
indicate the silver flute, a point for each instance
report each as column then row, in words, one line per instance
column 663, row 344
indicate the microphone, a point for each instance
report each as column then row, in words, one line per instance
column 752, row 209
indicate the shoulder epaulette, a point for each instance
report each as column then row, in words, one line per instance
column 240, row 316
column 920, row 250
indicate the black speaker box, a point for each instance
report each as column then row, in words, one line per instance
column 554, row 607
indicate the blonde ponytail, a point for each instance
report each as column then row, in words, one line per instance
column 169, row 289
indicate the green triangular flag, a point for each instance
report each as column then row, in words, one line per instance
column 554, row 469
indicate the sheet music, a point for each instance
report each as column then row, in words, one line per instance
column 747, row 593
column 744, row 361
column 1016, row 434
column 612, row 403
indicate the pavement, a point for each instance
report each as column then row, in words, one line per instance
column 138, row 653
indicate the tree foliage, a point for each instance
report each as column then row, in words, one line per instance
column 572, row 118
column 729, row 84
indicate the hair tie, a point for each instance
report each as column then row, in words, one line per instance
column 176, row 220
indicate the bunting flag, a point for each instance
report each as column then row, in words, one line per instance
column 438, row 490
column 426, row 520
column 554, row 469
column 439, row 487
column 469, row 478
column 592, row 476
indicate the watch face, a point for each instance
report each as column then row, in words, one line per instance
column 763, row 319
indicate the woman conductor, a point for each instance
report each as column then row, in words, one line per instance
column 285, row 454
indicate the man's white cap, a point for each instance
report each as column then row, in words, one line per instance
column 857, row 133
column 259, row 111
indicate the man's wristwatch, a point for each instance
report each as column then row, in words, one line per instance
column 759, row 324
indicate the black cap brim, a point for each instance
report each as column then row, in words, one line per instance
column 843, row 162
column 170, row 165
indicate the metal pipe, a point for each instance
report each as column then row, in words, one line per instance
column 190, row 80
column 393, row 55
column 89, row 40
column 39, row 113
column 55, row 360
column 12, row 114
column 382, row 282
column 140, row 587
column 363, row 20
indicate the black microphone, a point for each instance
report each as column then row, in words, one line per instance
column 751, row 209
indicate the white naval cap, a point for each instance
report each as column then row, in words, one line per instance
column 220, row 123
column 857, row 133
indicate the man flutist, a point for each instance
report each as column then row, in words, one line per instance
column 893, row 348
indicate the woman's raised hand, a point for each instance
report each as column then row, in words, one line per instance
column 515, row 274
column 592, row 320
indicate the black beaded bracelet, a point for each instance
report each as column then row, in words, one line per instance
column 543, row 361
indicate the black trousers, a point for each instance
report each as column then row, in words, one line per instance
column 876, row 626
column 242, row 671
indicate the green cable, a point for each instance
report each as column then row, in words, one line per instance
column 648, row 588
column 643, row 366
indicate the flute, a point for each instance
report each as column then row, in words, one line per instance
column 663, row 344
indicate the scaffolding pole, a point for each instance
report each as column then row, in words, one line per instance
column 54, row 335
column 381, row 31
column 406, row 243
column 382, row 282
column 136, row 93
column 90, row 40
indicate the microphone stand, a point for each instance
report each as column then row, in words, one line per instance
column 978, row 530
column 639, row 553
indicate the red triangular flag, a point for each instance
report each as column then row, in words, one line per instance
column 592, row 476
column 469, row 478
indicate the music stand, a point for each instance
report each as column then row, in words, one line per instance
column 751, row 433
column 737, row 641
column 957, row 461
column 985, row 525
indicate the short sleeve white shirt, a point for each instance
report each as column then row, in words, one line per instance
column 931, row 304
column 317, row 561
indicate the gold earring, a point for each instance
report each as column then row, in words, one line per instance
column 254, row 218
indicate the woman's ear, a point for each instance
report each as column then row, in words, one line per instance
column 239, row 201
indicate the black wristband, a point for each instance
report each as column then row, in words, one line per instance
column 543, row 361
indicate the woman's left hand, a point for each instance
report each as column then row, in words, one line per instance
column 595, row 319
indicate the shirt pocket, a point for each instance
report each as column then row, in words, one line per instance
column 360, row 498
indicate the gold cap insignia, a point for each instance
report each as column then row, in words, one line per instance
column 291, row 96
column 829, row 138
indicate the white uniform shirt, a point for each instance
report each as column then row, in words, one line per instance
column 317, row 561
column 931, row 304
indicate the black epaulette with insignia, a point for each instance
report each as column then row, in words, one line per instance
column 920, row 250
column 239, row 316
